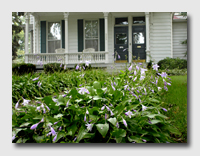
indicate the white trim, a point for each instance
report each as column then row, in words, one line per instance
column 130, row 42
column 172, row 35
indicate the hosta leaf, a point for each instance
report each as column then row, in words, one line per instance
column 38, row 139
column 25, row 124
column 113, row 121
column 118, row 140
column 58, row 116
column 155, row 121
column 173, row 130
column 96, row 85
column 81, row 134
column 119, row 133
column 60, row 135
column 135, row 139
column 103, row 129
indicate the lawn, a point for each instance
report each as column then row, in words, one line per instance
column 176, row 101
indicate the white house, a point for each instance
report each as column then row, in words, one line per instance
column 69, row 37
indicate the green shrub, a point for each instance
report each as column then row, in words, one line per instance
column 23, row 68
column 53, row 67
column 172, row 63
column 175, row 71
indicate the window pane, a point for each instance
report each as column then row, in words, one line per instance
column 121, row 38
column 54, row 31
column 138, row 20
column 138, row 37
column 92, row 43
column 88, row 29
column 95, row 29
column 123, row 21
column 53, row 45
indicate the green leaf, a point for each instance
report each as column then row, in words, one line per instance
column 155, row 121
column 88, row 135
column 135, row 138
column 25, row 124
column 72, row 129
column 73, row 92
column 173, row 130
column 103, row 129
column 113, row 121
column 81, row 134
column 38, row 139
column 119, row 133
column 58, row 116
column 97, row 85
column 118, row 140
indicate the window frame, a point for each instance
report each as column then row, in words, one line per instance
column 47, row 40
column 98, row 38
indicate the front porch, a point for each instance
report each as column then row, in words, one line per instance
column 76, row 32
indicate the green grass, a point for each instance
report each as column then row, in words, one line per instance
column 176, row 101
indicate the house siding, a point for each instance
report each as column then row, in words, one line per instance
column 160, row 35
column 179, row 35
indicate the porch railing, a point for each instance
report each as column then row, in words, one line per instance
column 67, row 58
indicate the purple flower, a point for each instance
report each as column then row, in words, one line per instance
column 87, row 112
column 114, row 83
column 118, row 56
column 49, row 134
column 34, row 126
column 165, row 88
column 67, row 103
column 135, row 72
column 42, row 120
column 90, row 120
column 60, row 128
column 144, row 108
column 125, row 87
column 83, row 90
column 169, row 84
column 17, row 104
column 59, row 59
column 102, row 108
column 137, row 68
column 89, row 126
column 164, row 109
column 164, row 74
column 117, row 125
column 134, row 79
column 77, row 67
column 129, row 113
column 53, row 131
column 138, row 91
column 143, row 70
column 44, row 110
column 113, row 87
column 107, row 108
column 85, row 118
column 150, row 121
column 155, row 67
column 142, row 77
column 25, row 102
column 65, row 67
column 87, row 63
column 75, row 139
column 111, row 113
column 13, row 138
column 124, row 50
column 130, row 68
column 56, row 122
column 35, row 78
column 80, row 85
column 61, row 65
column 106, row 116
column 54, row 139
column 39, row 83
column 144, row 140
column 124, row 121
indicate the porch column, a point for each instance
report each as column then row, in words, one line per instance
column 106, row 33
column 26, row 36
column 130, row 39
column 147, row 37
column 36, row 34
column 66, row 14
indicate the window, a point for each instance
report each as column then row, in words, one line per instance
column 138, row 20
column 138, row 37
column 91, row 34
column 54, row 36
column 121, row 21
column 121, row 38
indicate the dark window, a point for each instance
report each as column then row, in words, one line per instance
column 138, row 20
column 122, row 21
column 121, row 38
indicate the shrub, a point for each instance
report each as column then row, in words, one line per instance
column 54, row 67
column 172, row 63
column 23, row 68
column 175, row 71
column 119, row 109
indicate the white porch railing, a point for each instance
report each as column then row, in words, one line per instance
column 67, row 58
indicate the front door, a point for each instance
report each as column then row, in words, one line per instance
column 139, row 42
column 121, row 44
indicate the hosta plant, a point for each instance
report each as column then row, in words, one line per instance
column 121, row 109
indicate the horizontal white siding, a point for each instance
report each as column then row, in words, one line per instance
column 160, row 35
column 179, row 35
column 73, row 36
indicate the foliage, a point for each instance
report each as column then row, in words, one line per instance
column 149, row 64
column 175, row 71
column 121, row 109
column 23, row 68
column 16, row 29
column 83, row 65
column 172, row 63
column 54, row 67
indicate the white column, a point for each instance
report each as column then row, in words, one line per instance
column 26, row 36
column 66, row 14
column 106, row 33
column 36, row 34
column 147, row 37
column 130, row 38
